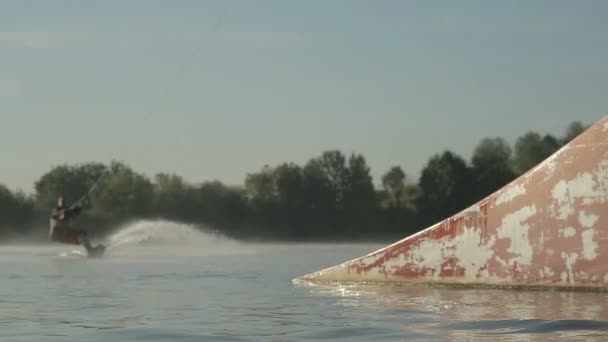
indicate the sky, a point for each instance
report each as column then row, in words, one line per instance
column 213, row 90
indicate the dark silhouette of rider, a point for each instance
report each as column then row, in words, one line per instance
column 59, row 226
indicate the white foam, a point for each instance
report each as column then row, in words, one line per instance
column 171, row 237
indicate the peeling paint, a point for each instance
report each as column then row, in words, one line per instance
column 510, row 193
column 514, row 228
column 567, row 232
column 541, row 242
column 429, row 254
column 589, row 245
column 502, row 262
column 560, row 195
column 582, row 186
column 569, row 259
column 472, row 255
column 549, row 165
column 587, row 220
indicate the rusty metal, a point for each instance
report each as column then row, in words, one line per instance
column 548, row 227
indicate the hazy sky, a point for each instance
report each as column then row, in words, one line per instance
column 216, row 89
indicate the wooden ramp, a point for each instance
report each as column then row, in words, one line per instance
column 548, row 228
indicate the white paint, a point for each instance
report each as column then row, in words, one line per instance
column 567, row 232
column 548, row 166
column 561, row 200
column 588, row 201
column 383, row 267
column 587, row 221
column 370, row 259
column 484, row 274
column 514, row 228
column 428, row 254
column 465, row 248
column 471, row 254
column 550, row 163
column 550, row 252
column 589, row 245
column 510, row 193
column 569, row 259
column 472, row 211
column 541, row 242
column 548, row 272
column 583, row 186
column 502, row 262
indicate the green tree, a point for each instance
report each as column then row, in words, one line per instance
column 574, row 129
column 360, row 195
column 16, row 210
column 71, row 182
column 218, row 204
column 319, row 193
column 336, row 174
column 446, row 184
column 171, row 196
column 360, row 203
column 124, row 193
column 531, row 149
column 325, row 185
column 289, row 185
column 261, row 187
column 393, row 183
column 411, row 195
column 491, row 166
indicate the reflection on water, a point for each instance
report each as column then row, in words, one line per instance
column 480, row 314
column 248, row 296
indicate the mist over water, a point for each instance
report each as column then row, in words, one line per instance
column 145, row 238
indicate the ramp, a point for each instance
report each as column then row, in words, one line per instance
column 547, row 228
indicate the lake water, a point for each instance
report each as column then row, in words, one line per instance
column 162, row 281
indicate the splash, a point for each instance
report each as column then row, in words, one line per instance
column 173, row 237
column 146, row 238
column 162, row 233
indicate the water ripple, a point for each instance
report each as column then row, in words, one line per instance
column 510, row 326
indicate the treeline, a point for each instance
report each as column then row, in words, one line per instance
column 332, row 196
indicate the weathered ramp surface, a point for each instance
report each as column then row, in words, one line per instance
column 549, row 227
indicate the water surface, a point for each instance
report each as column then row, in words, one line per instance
column 167, row 282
